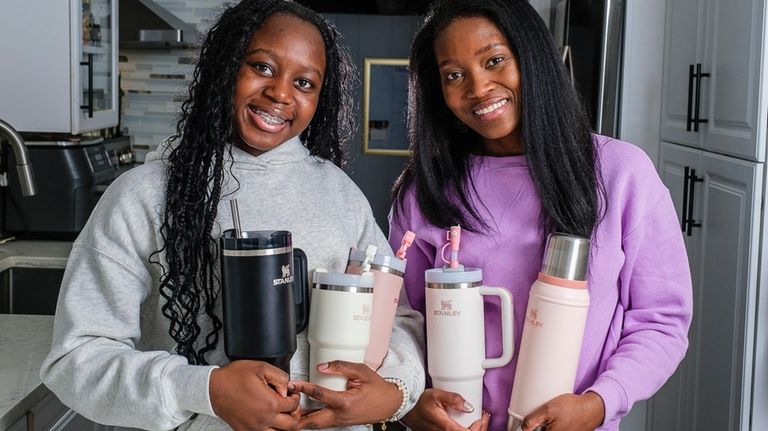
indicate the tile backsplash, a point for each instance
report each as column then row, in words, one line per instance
column 155, row 81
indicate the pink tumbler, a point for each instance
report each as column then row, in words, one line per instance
column 388, row 281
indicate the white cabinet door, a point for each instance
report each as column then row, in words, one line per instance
column 43, row 85
column 711, row 388
column 681, row 50
column 734, row 60
column 670, row 408
column 725, row 291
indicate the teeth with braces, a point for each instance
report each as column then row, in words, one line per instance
column 270, row 119
column 491, row 108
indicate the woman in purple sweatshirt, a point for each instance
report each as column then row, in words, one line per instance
column 502, row 146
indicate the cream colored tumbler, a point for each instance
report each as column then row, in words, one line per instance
column 553, row 331
column 456, row 334
column 339, row 323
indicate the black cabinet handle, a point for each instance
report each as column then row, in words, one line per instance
column 89, row 106
column 689, row 112
column 696, row 119
column 691, row 179
column 684, row 218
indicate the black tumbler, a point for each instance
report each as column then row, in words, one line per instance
column 265, row 295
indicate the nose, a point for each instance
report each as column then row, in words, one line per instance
column 279, row 90
column 477, row 85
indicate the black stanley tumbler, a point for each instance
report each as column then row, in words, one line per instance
column 265, row 295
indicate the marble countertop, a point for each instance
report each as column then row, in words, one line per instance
column 34, row 254
column 24, row 342
column 25, row 339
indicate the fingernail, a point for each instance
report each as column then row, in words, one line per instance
column 323, row 366
column 291, row 386
column 469, row 408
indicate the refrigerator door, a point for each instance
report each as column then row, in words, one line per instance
column 591, row 32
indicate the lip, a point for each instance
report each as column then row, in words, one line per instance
column 254, row 112
column 495, row 113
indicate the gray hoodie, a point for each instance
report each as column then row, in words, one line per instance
column 111, row 357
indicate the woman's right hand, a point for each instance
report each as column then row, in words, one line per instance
column 431, row 412
column 253, row 395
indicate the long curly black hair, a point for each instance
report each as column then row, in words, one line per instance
column 205, row 131
column 554, row 124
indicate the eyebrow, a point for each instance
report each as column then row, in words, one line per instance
column 271, row 53
column 480, row 51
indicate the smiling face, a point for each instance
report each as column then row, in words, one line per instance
column 480, row 79
column 278, row 83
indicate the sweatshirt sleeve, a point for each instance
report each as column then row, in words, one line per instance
column 97, row 365
column 655, row 280
column 405, row 358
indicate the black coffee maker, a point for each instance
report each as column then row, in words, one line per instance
column 265, row 295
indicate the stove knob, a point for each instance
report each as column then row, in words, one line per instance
column 126, row 158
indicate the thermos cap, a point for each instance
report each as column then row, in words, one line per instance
column 357, row 257
column 448, row 278
column 566, row 256
column 341, row 281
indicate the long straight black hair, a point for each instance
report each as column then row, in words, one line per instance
column 555, row 129
column 204, row 132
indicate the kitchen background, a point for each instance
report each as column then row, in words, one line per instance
column 685, row 80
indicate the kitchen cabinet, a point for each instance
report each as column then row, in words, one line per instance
column 59, row 71
column 718, row 199
column 714, row 63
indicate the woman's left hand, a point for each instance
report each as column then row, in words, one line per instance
column 568, row 412
column 368, row 398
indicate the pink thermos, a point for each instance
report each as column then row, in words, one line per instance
column 553, row 330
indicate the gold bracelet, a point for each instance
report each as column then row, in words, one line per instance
column 399, row 412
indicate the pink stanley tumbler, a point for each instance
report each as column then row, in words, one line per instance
column 554, row 327
column 388, row 281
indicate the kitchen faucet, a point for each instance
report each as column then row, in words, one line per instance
column 23, row 165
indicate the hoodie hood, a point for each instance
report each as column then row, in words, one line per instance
column 290, row 151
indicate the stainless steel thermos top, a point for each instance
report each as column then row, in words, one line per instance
column 566, row 256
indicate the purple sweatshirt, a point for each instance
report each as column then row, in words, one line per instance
column 639, row 282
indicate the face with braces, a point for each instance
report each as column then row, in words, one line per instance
column 278, row 83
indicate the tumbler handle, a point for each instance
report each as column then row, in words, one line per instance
column 300, row 289
column 507, row 327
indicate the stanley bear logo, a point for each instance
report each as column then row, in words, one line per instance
column 366, row 315
column 533, row 318
column 446, row 309
column 286, row 277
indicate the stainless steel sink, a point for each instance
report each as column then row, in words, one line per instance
column 29, row 290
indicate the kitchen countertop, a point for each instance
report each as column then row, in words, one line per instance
column 34, row 254
column 25, row 339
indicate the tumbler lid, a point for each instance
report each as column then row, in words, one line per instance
column 566, row 256
column 356, row 257
column 257, row 239
column 341, row 281
column 453, row 278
